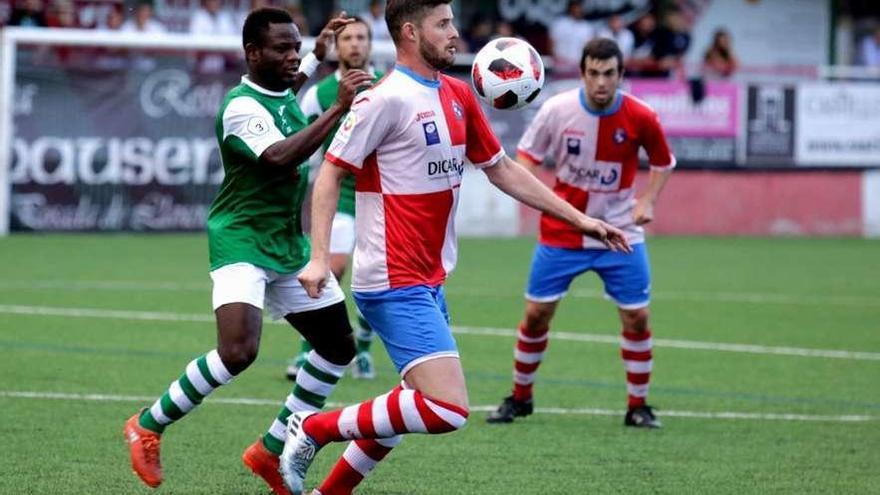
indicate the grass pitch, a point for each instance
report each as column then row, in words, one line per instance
column 94, row 327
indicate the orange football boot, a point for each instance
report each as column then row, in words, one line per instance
column 143, row 445
column 265, row 465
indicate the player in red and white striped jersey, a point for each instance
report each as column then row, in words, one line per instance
column 593, row 134
column 406, row 141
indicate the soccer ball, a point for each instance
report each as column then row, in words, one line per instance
column 507, row 73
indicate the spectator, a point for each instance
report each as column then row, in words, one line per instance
column 212, row 20
column 112, row 58
column 294, row 8
column 617, row 31
column 641, row 59
column 62, row 15
column 143, row 21
column 869, row 51
column 30, row 14
column 504, row 29
column 569, row 33
column 719, row 60
column 671, row 42
column 375, row 17
column 479, row 33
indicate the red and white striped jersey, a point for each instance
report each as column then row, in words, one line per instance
column 406, row 141
column 597, row 156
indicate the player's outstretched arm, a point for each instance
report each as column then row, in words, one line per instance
column 522, row 185
column 323, row 43
column 325, row 195
column 300, row 146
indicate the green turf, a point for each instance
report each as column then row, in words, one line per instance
column 815, row 294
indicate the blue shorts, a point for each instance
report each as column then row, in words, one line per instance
column 411, row 321
column 627, row 277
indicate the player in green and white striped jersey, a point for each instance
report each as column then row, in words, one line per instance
column 257, row 246
column 353, row 46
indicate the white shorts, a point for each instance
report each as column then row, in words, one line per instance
column 342, row 234
column 283, row 294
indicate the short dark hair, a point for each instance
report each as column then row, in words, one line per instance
column 602, row 49
column 357, row 20
column 257, row 24
column 399, row 12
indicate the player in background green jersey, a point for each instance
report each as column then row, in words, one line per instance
column 257, row 246
column 353, row 45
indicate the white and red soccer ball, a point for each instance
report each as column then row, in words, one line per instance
column 507, row 73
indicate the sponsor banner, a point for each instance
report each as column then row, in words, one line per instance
column 110, row 150
column 770, row 125
column 701, row 120
column 838, row 124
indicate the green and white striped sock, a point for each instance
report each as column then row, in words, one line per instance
column 201, row 377
column 363, row 335
column 314, row 382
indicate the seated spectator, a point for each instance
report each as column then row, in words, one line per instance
column 30, row 14
column 143, row 21
column 375, row 17
column 617, row 31
column 720, row 61
column 569, row 33
column 869, row 50
column 641, row 59
column 671, row 42
column 479, row 33
column 212, row 20
column 107, row 58
column 62, row 15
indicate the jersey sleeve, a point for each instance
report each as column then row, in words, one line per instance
column 248, row 128
column 482, row 146
column 659, row 155
column 310, row 106
column 536, row 141
column 361, row 131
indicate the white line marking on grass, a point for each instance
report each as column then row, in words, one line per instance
column 846, row 418
column 498, row 332
column 689, row 296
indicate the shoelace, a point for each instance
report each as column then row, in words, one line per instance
column 151, row 449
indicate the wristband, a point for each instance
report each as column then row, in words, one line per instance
column 309, row 64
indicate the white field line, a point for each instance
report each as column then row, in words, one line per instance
column 847, row 418
column 497, row 332
column 686, row 296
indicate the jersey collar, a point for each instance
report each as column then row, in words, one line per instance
column 618, row 100
column 431, row 83
column 259, row 89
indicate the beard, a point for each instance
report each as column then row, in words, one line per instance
column 438, row 59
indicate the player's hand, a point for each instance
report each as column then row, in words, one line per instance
column 643, row 212
column 325, row 39
column 610, row 235
column 313, row 278
column 352, row 82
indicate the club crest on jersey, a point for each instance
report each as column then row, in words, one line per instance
column 573, row 145
column 619, row 135
column 432, row 135
column 457, row 110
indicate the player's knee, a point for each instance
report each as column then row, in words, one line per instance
column 342, row 351
column 238, row 356
column 635, row 320
column 537, row 319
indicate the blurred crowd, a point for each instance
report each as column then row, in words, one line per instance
column 654, row 44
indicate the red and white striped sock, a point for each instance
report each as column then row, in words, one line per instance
column 399, row 411
column 359, row 458
column 527, row 355
column 635, row 349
